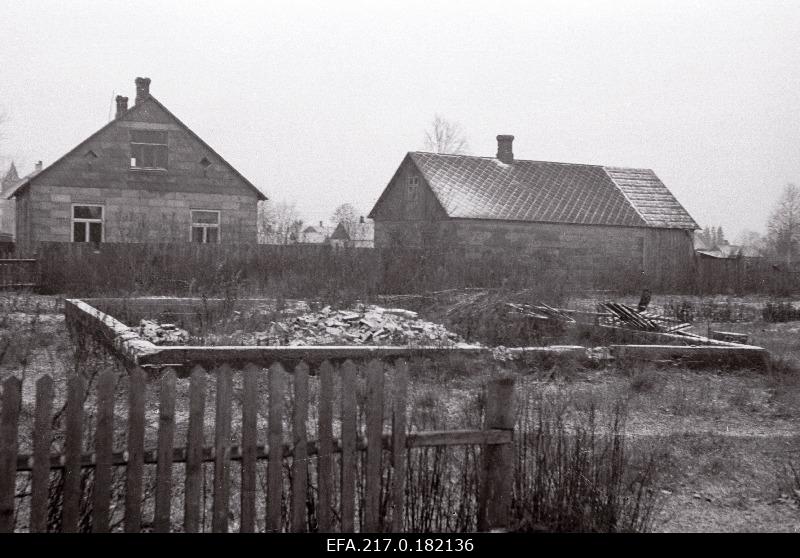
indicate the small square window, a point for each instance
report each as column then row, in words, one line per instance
column 205, row 226
column 148, row 149
column 87, row 223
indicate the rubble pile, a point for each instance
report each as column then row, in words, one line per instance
column 163, row 334
column 365, row 325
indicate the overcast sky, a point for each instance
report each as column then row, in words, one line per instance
column 318, row 102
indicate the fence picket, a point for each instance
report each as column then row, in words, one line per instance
column 249, row 447
column 40, row 476
column 135, row 466
column 277, row 382
column 166, row 437
column 9, row 436
column 300, row 453
column 104, row 448
column 325, row 455
column 222, row 450
column 72, row 454
column 399, row 397
column 498, row 460
column 194, row 450
column 348, row 459
column 374, row 445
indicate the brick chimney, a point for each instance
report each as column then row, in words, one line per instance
column 38, row 166
column 505, row 151
column 142, row 89
column 122, row 105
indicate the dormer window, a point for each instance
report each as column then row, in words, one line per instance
column 148, row 149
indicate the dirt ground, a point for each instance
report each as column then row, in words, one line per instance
column 726, row 440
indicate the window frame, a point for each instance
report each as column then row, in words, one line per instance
column 205, row 226
column 165, row 145
column 86, row 221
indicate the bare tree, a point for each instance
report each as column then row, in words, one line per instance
column 783, row 227
column 445, row 136
column 753, row 240
column 347, row 215
column 278, row 223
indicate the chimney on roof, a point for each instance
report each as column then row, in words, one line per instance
column 361, row 220
column 38, row 166
column 505, row 151
column 142, row 89
column 122, row 105
column 320, row 224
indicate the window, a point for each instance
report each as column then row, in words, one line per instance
column 148, row 149
column 87, row 223
column 205, row 226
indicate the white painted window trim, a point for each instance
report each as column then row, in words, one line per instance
column 73, row 220
column 166, row 146
column 206, row 226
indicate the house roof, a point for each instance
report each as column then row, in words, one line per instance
column 470, row 187
column 340, row 233
column 11, row 192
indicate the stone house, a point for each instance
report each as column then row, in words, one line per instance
column 143, row 177
column 599, row 223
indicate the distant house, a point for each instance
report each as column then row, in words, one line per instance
column 317, row 234
column 593, row 220
column 724, row 250
column 9, row 180
column 356, row 235
column 143, row 177
column 340, row 237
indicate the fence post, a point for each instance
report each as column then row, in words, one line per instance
column 498, row 460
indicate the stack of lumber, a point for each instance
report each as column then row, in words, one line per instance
column 621, row 315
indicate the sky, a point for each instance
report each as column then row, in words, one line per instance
column 317, row 102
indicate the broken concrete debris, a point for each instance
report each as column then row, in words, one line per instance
column 162, row 334
column 364, row 325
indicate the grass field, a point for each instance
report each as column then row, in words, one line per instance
column 723, row 446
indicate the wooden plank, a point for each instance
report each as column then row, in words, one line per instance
column 300, row 458
column 42, row 438
column 179, row 455
column 277, row 386
column 72, row 454
column 374, row 418
column 166, row 437
column 194, row 450
column 399, row 402
column 348, row 461
column 498, row 460
column 104, row 448
column 325, row 456
column 135, row 468
column 249, row 447
column 9, row 437
column 222, row 450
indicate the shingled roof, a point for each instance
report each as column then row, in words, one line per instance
column 471, row 187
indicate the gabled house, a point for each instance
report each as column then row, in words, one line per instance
column 598, row 222
column 143, row 177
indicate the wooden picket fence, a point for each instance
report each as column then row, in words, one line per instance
column 495, row 439
column 18, row 273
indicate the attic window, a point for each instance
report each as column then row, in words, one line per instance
column 148, row 149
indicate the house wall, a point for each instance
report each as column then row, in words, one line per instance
column 140, row 205
column 7, row 224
